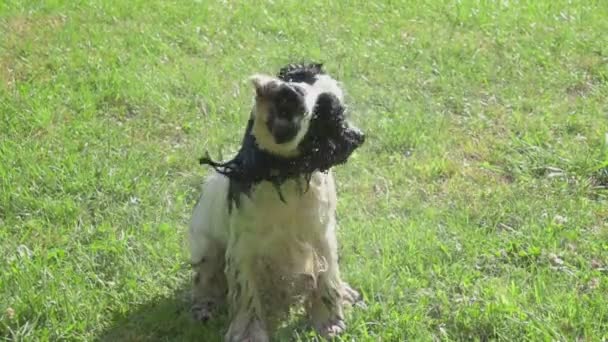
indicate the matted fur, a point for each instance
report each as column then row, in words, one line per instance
column 269, row 254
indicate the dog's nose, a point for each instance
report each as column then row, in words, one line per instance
column 283, row 130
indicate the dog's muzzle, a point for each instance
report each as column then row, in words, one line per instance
column 283, row 130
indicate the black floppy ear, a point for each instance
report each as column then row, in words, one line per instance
column 262, row 84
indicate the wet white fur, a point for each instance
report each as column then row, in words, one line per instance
column 252, row 249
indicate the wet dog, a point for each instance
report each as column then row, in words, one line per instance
column 263, row 233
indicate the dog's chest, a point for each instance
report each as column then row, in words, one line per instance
column 304, row 211
column 278, row 242
column 285, row 233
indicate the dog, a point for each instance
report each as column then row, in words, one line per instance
column 263, row 232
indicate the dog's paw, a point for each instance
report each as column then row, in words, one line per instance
column 351, row 296
column 253, row 332
column 202, row 312
column 248, row 339
column 327, row 317
column 332, row 328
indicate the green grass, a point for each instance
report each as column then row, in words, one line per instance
column 477, row 210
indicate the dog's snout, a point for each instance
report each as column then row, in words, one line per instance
column 283, row 130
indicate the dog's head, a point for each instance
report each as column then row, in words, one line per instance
column 290, row 112
column 298, row 126
column 281, row 114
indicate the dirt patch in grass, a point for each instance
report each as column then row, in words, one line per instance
column 19, row 35
column 24, row 26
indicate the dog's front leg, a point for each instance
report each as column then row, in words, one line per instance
column 209, row 283
column 326, row 305
column 246, row 316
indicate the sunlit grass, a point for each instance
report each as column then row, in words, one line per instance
column 476, row 210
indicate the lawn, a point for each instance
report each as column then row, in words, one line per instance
column 476, row 210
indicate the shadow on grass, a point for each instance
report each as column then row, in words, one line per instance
column 168, row 319
column 164, row 319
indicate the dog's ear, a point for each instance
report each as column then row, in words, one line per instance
column 263, row 84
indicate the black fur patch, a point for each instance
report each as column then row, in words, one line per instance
column 330, row 140
column 301, row 72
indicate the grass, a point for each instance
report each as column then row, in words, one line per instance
column 477, row 210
